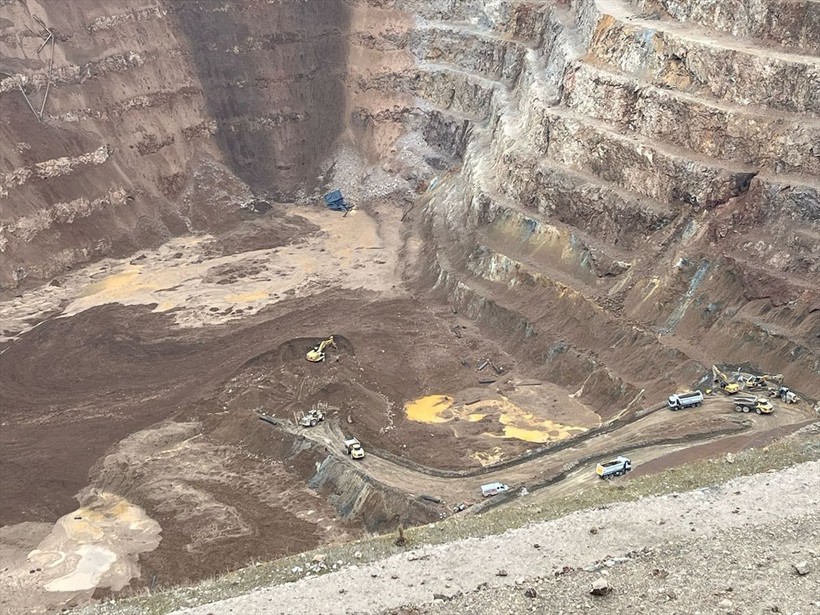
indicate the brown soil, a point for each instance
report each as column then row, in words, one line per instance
column 157, row 408
column 557, row 317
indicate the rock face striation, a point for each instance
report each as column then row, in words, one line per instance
column 639, row 189
column 623, row 189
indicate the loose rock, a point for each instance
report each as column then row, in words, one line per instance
column 600, row 587
column 802, row 568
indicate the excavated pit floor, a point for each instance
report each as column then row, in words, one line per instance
column 146, row 377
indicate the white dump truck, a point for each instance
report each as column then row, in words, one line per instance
column 354, row 448
column 493, row 489
column 678, row 401
column 616, row 467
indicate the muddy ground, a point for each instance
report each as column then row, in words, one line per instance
column 147, row 377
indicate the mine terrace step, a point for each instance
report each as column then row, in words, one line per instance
column 581, row 201
column 557, row 312
column 471, row 30
column 523, row 21
column 524, row 238
column 684, row 57
column 497, row 59
column 663, row 172
column 789, row 23
column 513, row 269
column 592, row 207
column 449, row 88
column 427, row 106
column 492, row 203
column 780, row 140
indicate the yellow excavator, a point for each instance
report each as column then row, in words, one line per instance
column 317, row 353
column 764, row 381
column 722, row 380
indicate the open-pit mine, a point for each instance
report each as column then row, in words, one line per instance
column 560, row 213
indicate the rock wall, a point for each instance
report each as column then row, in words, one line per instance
column 272, row 79
column 136, row 99
column 639, row 187
column 638, row 179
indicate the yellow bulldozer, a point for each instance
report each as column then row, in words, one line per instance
column 317, row 353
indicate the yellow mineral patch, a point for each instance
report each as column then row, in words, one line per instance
column 429, row 409
column 256, row 295
column 518, row 423
column 528, row 435
column 522, row 425
column 116, row 284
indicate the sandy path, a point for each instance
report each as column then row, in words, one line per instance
column 756, row 504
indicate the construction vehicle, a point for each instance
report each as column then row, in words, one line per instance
column 491, row 489
column 616, row 467
column 317, row 353
column 752, row 403
column 312, row 417
column 678, row 401
column 784, row 393
column 722, row 380
column 354, row 448
column 763, row 382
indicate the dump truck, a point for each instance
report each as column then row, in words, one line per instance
column 679, row 401
column 354, row 448
column 491, row 489
column 616, row 467
column 722, row 380
column 752, row 403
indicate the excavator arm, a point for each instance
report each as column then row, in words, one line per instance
column 317, row 353
column 722, row 380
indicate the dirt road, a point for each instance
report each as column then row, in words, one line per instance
column 650, row 438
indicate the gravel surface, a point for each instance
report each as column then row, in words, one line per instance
column 727, row 549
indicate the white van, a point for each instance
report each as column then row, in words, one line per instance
column 493, row 489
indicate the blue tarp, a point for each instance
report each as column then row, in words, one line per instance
column 335, row 201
